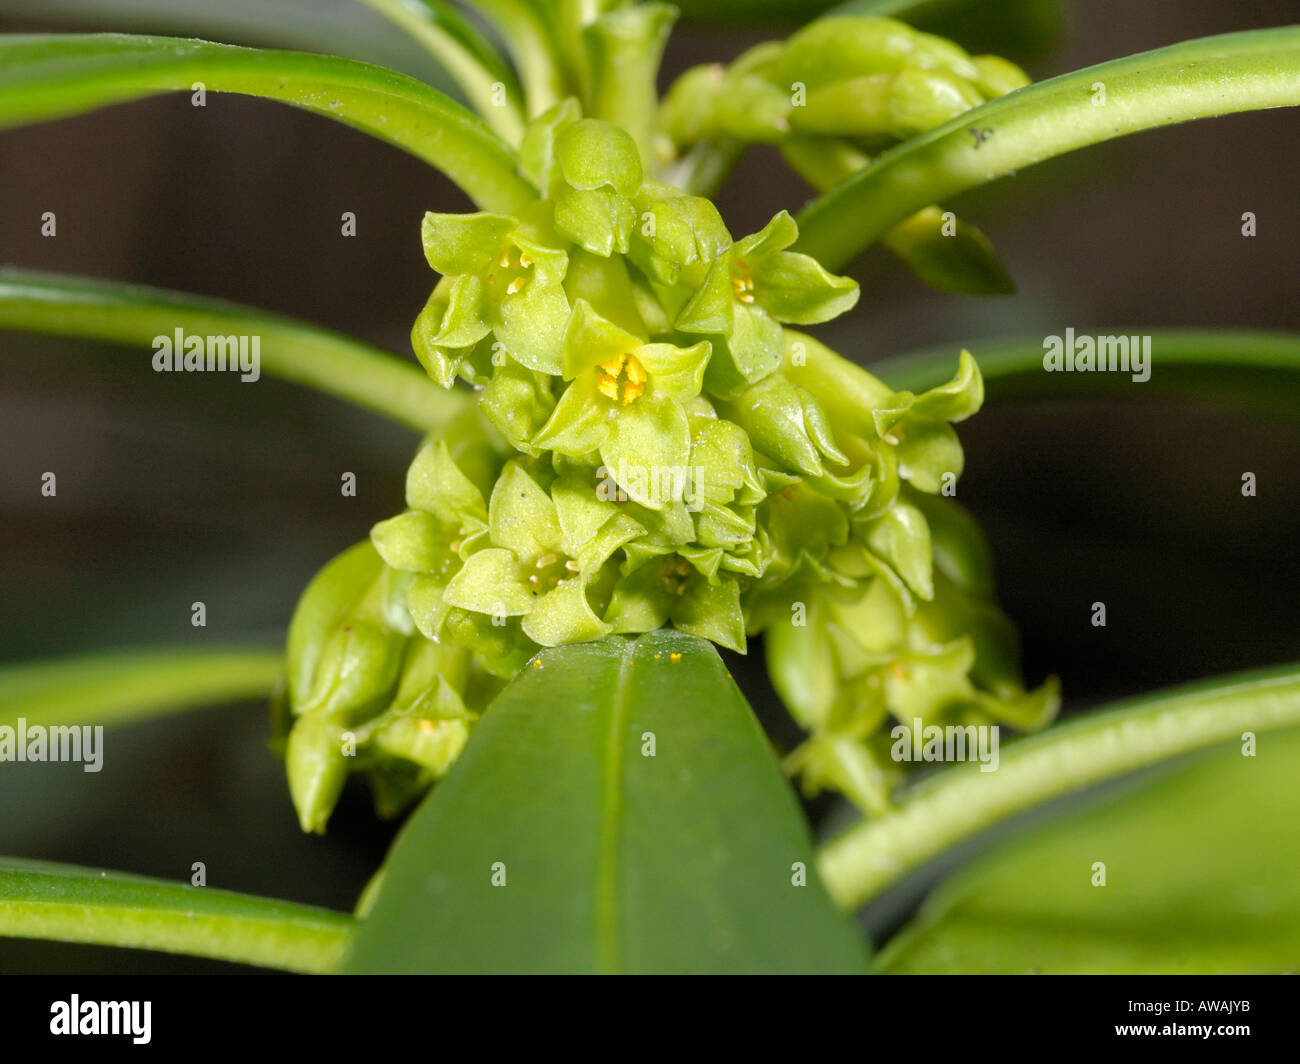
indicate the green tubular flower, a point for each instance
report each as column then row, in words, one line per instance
column 624, row 401
column 750, row 289
column 546, row 549
column 500, row 275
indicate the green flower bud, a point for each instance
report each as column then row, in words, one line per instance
column 996, row 76
column 922, row 99
column 674, row 231
column 597, row 171
column 317, row 769
column 832, row 49
column 332, row 594
column 787, row 424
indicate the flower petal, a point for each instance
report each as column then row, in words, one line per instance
column 521, row 516
column 563, row 615
column 491, row 582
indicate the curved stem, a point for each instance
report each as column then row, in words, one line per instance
column 135, row 315
column 43, row 77
column 123, row 687
column 459, row 48
column 63, row 903
column 530, row 44
column 1197, row 79
column 960, row 802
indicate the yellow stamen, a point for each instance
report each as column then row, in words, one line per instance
column 524, row 260
column 514, row 286
column 504, row 260
column 621, row 378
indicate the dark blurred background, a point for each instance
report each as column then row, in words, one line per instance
column 179, row 488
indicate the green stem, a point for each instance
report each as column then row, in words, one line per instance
column 1196, row 79
column 455, row 44
column 704, row 168
column 123, row 687
column 625, row 49
column 134, row 315
column 68, row 904
column 530, row 44
column 53, row 76
column 959, row 803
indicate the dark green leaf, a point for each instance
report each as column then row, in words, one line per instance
column 613, row 861
column 47, row 77
column 1202, row 871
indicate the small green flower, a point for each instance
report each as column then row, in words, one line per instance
column 672, row 590
column 918, row 429
column 445, row 520
column 751, row 288
column 500, row 275
column 545, row 551
column 624, row 401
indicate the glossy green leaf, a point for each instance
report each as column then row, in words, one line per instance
column 1196, row 79
column 69, row 904
column 44, row 77
column 1202, row 870
column 962, row 262
column 466, row 54
column 1257, row 370
column 133, row 315
column 613, row 855
column 958, row 803
column 119, row 687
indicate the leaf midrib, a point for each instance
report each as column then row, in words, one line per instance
column 607, row 938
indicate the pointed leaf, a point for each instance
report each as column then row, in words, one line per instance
column 581, row 829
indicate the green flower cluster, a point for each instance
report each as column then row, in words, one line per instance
column 651, row 444
column 868, row 81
